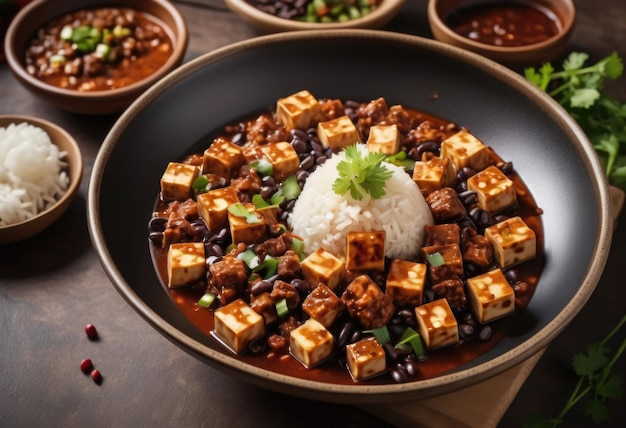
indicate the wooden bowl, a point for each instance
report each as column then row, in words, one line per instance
column 268, row 23
column 531, row 54
column 36, row 14
column 65, row 143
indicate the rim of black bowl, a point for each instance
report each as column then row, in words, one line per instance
column 462, row 377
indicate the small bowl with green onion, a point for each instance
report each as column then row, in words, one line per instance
column 94, row 57
column 267, row 17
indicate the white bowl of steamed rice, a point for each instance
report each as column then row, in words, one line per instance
column 40, row 171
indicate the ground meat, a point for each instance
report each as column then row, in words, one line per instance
column 265, row 130
column 453, row 291
column 284, row 290
column 477, row 249
column 365, row 302
column 446, row 205
column 181, row 223
column 289, row 265
column 247, row 184
column 332, row 109
column 229, row 277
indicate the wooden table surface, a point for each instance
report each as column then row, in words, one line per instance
column 52, row 285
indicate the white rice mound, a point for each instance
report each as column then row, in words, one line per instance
column 323, row 218
column 32, row 173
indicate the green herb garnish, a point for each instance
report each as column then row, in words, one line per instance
column 240, row 211
column 412, row 338
column 206, row 300
column 281, row 308
column 580, row 90
column 358, row 174
column 595, row 383
column 381, row 334
column 435, row 259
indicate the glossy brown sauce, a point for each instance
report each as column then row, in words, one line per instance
column 505, row 23
column 439, row 361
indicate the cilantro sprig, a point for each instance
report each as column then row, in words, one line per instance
column 579, row 88
column 595, row 383
column 360, row 174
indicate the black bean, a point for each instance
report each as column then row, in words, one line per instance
column 301, row 285
column 345, row 333
column 307, row 162
column 263, row 286
column 399, row 374
column 156, row 237
column 299, row 145
column 355, row 336
column 467, row 331
column 485, row 332
column 157, row 224
column 512, row 276
column 258, row 346
column 320, row 159
column 411, row 365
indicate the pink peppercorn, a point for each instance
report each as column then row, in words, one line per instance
column 86, row 366
column 91, row 331
column 96, row 376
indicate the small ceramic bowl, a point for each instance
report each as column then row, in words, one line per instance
column 38, row 13
column 65, row 143
column 268, row 23
column 563, row 12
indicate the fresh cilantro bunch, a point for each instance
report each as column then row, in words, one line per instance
column 579, row 88
column 360, row 173
column 595, row 383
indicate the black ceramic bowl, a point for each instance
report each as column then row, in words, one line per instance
column 523, row 125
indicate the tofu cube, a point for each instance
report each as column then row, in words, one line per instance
column 405, row 283
column 365, row 359
column 213, row 207
column 338, row 133
column 323, row 267
column 494, row 189
column 513, row 242
column 444, row 261
column 177, row 180
column 246, row 230
column 433, row 174
column 384, row 139
column 365, row 251
column 283, row 158
column 437, row 325
column 185, row 263
column 237, row 324
column 222, row 158
column 300, row 110
column 465, row 150
column 323, row 305
column 491, row 296
column 310, row 343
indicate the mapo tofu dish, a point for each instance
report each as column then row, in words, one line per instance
column 347, row 241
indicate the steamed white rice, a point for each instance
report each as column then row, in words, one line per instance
column 32, row 173
column 323, row 218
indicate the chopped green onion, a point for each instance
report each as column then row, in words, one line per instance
column 57, row 59
column 281, row 308
column 240, row 211
column 435, row 259
column 381, row 334
column 201, row 184
column 412, row 337
column 298, row 247
column 263, row 166
column 249, row 258
column 259, row 202
column 103, row 50
column 66, row 32
column 402, row 160
column 206, row 300
column 121, row 32
column 291, row 188
column 270, row 264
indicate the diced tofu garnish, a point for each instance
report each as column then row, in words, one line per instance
column 491, row 296
column 513, row 241
column 323, row 305
column 222, row 158
column 236, row 325
column 365, row 251
column 177, row 180
column 185, row 263
column 323, row 267
column 437, row 325
column 310, row 343
column 213, row 207
column 384, row 139
column 246, row 231
column 338, row 133
column 300, row 110
column 494, row 189
column 432, row 174
column 405, row 283
column 465, row 150
column 283, row 158
column 365, row 359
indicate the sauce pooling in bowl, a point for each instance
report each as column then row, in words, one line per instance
column 505, row 23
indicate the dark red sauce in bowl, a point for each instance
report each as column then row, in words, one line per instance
column 505, row 23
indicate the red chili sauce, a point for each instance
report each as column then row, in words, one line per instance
column 505, row 23
column 98, row 49
column 439, row 361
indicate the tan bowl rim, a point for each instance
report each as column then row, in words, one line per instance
column 23, row 16
column 75, row 176
column 567, row 28
column 386, row 8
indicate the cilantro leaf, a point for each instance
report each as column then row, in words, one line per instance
column 358, row 174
